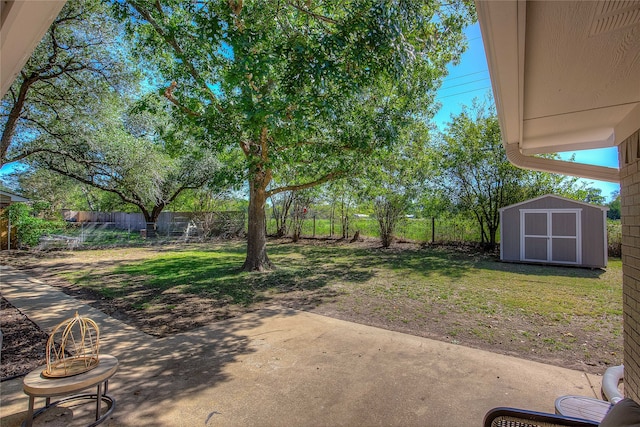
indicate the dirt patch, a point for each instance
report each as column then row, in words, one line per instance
column 579, row 342
column 23, row 343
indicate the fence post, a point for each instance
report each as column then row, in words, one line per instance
column 314, row 226
column 433, row 229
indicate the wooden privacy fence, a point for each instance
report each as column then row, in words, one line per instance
column 5, row 234
column 120, row 220
column 168, row 223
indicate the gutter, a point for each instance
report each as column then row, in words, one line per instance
column 600, row 173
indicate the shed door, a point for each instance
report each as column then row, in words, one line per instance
column 550, row 235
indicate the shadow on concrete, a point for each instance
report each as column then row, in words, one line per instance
column 154, row 373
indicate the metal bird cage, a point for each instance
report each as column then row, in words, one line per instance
column 72, row 348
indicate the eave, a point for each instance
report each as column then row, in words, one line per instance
column 565, row 77
column 22, row 25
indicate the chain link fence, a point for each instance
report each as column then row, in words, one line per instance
column 97, row 229
column 419, row 230
column 408, row 229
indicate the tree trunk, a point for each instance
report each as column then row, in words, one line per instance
column 332, row 219
column 151, row 218
column 12, row 120
column 492, row 236
column 257, row 259
column 344, row 218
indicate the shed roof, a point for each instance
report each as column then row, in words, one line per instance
column 553, row 196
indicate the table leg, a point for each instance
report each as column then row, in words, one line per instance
column 98, row 401
column 29, row 420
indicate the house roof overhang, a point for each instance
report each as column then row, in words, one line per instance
column 22, row 25
column 13, row 197
column 565, row 77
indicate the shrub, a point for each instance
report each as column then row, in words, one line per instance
column 29, row 229
column 614, row 237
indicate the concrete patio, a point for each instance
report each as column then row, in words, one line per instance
column 279, row 367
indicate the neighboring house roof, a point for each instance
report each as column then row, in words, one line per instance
column 553, row 196
column 5, row 195
column 565, row 77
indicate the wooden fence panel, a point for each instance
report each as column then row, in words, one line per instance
column 4, row 235
column 120, row 220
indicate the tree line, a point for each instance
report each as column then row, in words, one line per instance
column 153, row 104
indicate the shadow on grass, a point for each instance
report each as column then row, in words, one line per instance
column 543, row 269
column 355, row 262
column 306, row 275
column 215, row 274
column 456, row 264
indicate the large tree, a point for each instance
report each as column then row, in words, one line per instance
column 79, row 59
column 471, row 166
column 393, row 184
column 317, row 85
column 138, row 154
column 614, row 206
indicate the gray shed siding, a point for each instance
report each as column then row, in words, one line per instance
column 592, row 241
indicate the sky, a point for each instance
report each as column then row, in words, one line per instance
column 470, row 79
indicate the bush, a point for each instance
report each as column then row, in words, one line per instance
column 29, row 229
column 614, row 237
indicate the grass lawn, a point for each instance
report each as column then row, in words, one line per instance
column 566, row 316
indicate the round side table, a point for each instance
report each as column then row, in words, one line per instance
column 35, row 385
column 582, row 407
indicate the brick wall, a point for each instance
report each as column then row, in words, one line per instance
column 629, row 157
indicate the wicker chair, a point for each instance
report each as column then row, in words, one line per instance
column 512, row 417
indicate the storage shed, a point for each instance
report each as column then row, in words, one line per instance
column 554, row 230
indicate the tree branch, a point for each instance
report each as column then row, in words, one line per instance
column 313, row 14
column 168, row 93
column 176, row 47
column 133, row 200
column 328, row 177
column 12, row 121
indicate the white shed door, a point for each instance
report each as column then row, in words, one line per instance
column 550, row 235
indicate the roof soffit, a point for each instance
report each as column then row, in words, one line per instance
column 581, row 77
column 565, row 77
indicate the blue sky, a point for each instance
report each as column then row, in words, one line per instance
column 470, row 79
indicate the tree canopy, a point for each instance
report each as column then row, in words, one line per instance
column 77, row 62
column 79, row 109
column 318, row 86
column 137, row 154
column 471, row 166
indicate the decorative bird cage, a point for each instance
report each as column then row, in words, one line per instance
column 72, row 348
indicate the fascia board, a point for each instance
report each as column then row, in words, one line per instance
column 23, row 25
column 600, row 173
column 628, row 125
column 499, row 27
